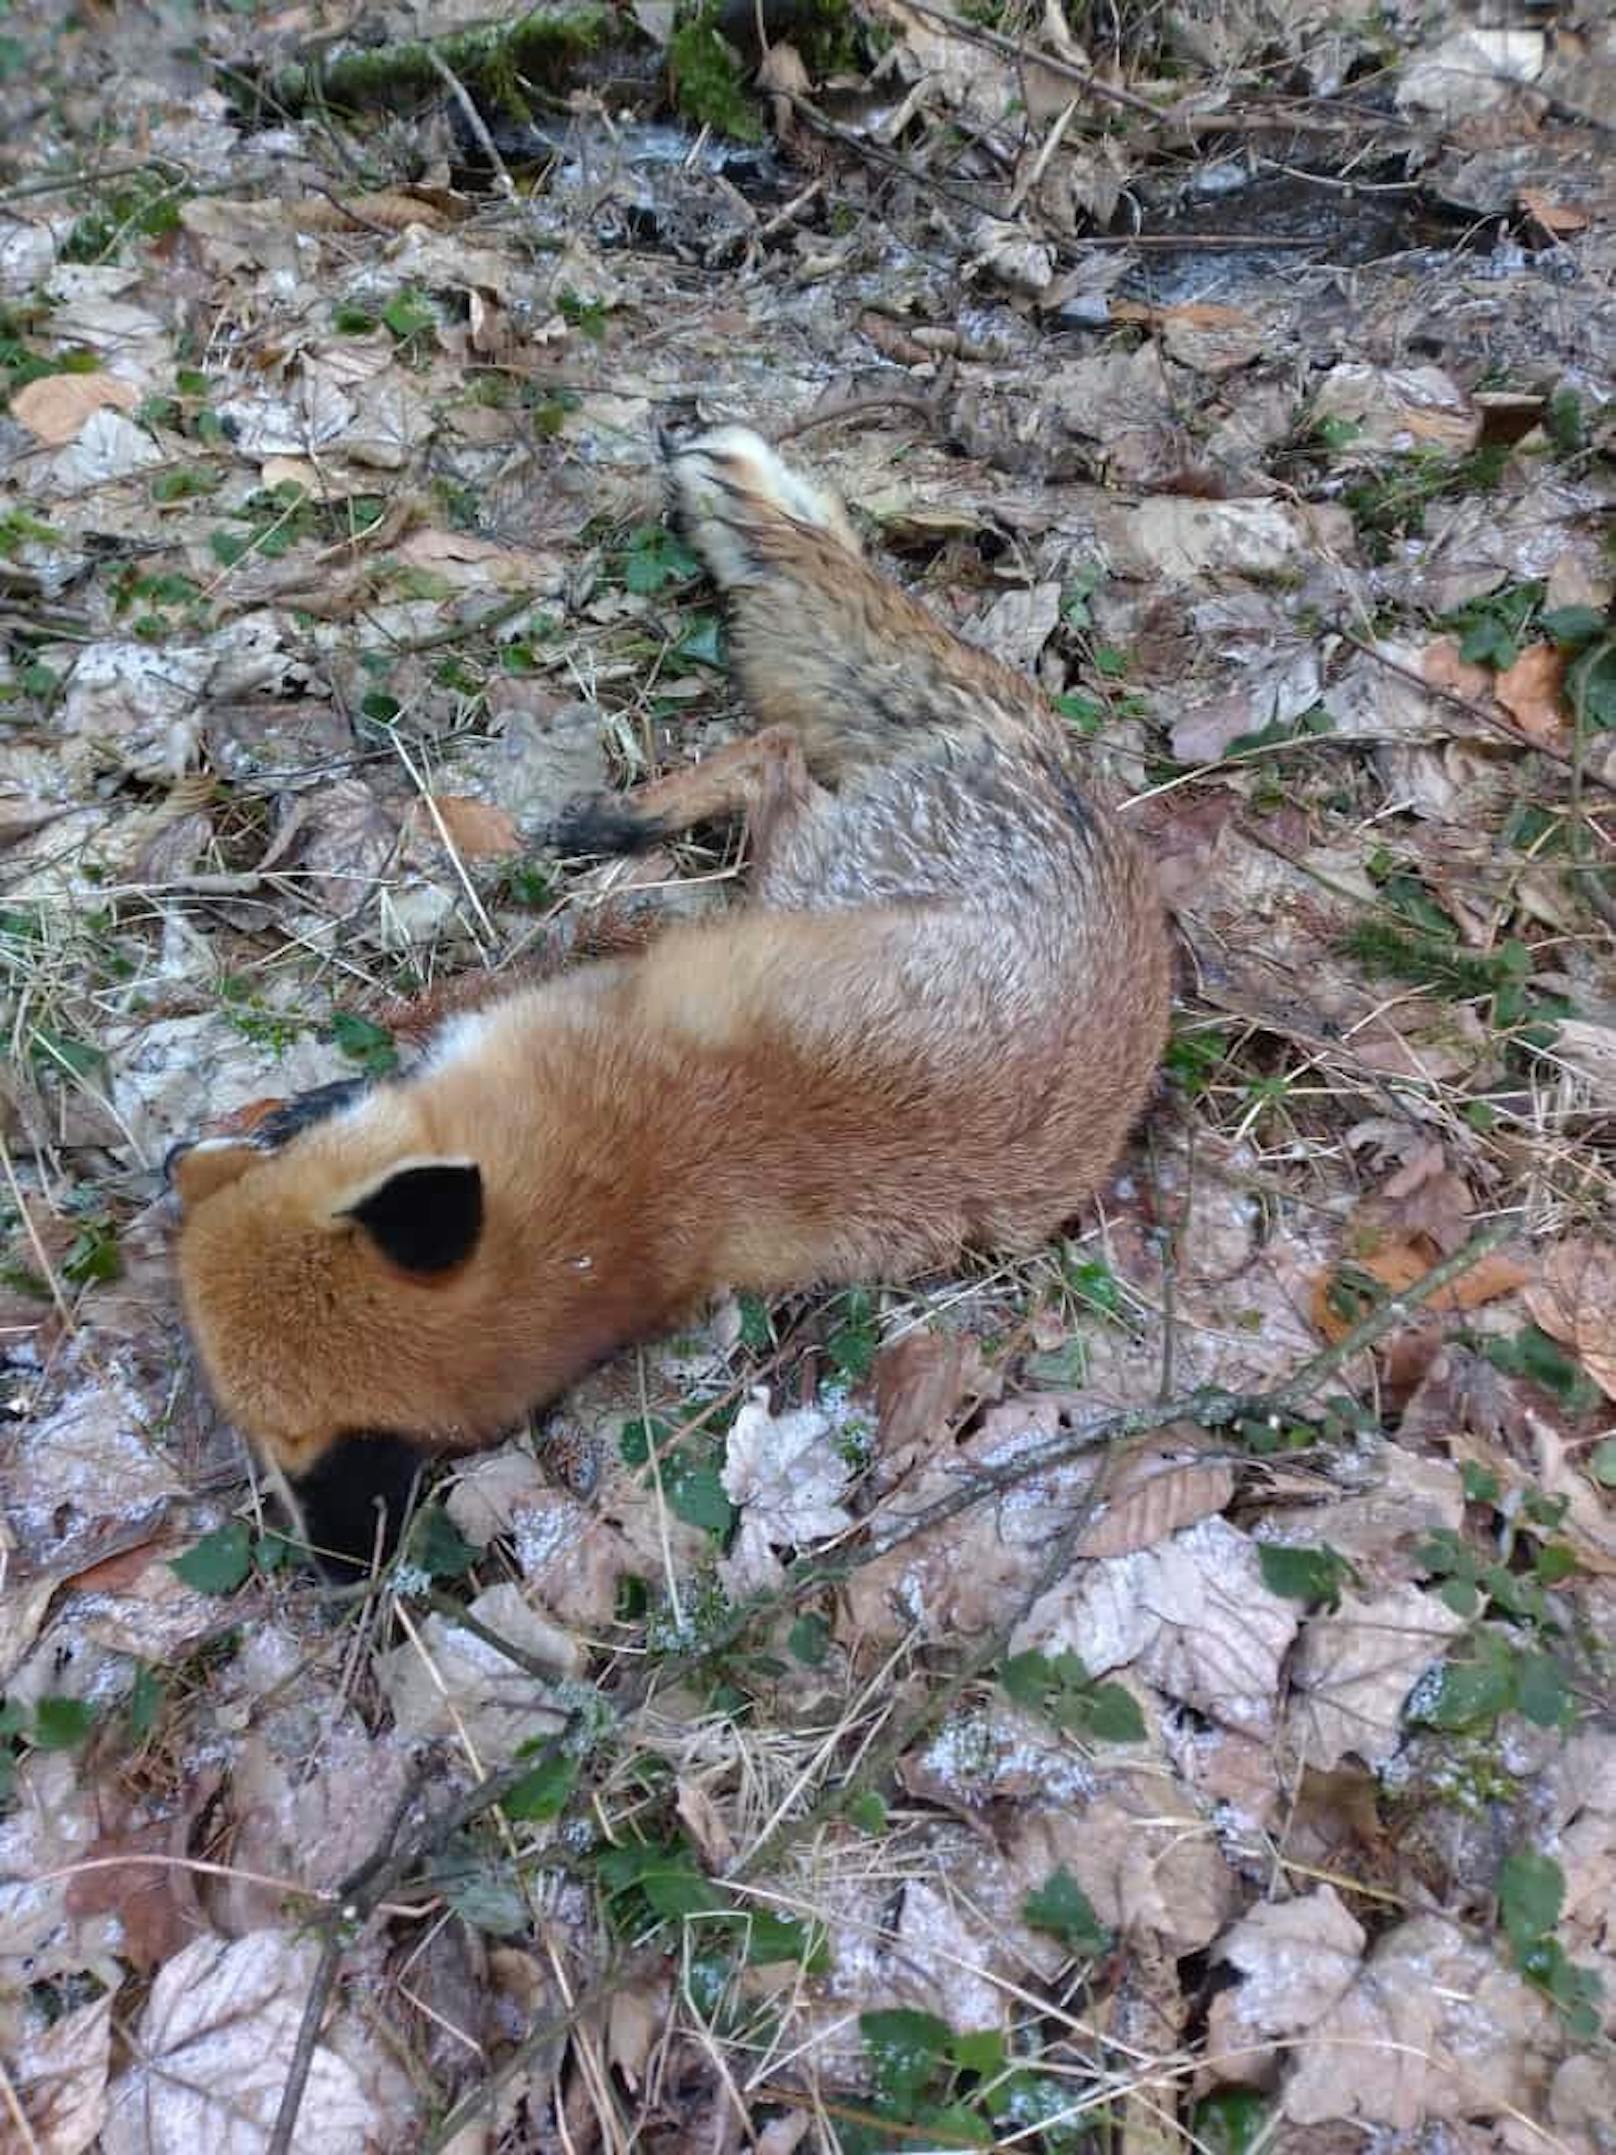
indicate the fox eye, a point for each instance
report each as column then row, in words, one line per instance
column 425, row 1218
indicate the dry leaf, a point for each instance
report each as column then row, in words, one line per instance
column 1531, row 691
column 1556, row 218
column 446, row 1681
column 922, row 1382
column 1355, row 1668
column 715, row 1844
column 215, row 2044
column 1432, row 2028
column 1156, row 1491
column 1442, row 666
column 1296, row 1959
column 1141, row 1852
column 635, row 2018
column 156, row 1904
column 55, row 408
column 476, row 829
column 1397, row 1267
column 1574, row 1300
column 391, row 208
column 1192, row 1617
column 58, row 2075
column 787, row 1473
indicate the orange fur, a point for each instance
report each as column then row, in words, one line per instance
column 929, row 1026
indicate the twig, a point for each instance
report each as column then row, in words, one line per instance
column 473, row 118
column 974, row 33
column 363, row 1891
column 901, row 396
column 1477, row 711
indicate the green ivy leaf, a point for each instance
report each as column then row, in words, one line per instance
column 1531, row 1893
column 809, row 1640
column 219, row 1562
column 145, row 1700
column 543, row 1793
column 697, row 1494
column 1573, row 626
column 407, row 315
column 1113, row 1715
column 438, row 1545
column 1542, row 1693
column 1231, row 2122
column 62, row 1724
column 1061, row 1907
column 906, row 2048
column 1310, row 1575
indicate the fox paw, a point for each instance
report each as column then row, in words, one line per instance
column 728, row 488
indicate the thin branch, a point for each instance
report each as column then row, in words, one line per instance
column 362, row 1892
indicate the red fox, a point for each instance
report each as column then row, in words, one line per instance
column 928, row 1026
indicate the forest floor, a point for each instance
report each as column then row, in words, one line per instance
column 1154, row 1696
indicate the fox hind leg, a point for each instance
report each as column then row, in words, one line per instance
column 765, row 778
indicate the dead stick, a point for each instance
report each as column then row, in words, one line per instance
column 363, row 1891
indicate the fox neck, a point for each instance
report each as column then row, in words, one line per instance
column 616, row 1165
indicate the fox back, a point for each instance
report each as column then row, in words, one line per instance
column 928, row 1026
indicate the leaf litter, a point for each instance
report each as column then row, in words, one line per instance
column 1164, row 1674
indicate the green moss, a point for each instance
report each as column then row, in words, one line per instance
column 542, row 49
column 707, row 80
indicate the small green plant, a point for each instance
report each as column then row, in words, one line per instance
column 1390, row 502
column 1314, row 1575
column 587, row 316
column 364, row 1042
column 1492, row 629
column 223, row 1560
column 649, row 1883
column 1510, row 1662
column 856, row 1340
column 691, row 1472
column 1061, row 1907
column 278, row 517
column 144, row 206
column 412, row 320
column 650, row 559
column 1531, row 1896
column 1060, row 1688
column 707, row 79
column 20, row 528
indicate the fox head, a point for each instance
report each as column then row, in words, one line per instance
column 329, row 1284
column 368, row 1281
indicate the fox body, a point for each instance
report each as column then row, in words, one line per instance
column 929, row 1025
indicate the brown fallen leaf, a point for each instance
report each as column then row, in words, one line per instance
column 476, row 829
column 156, row 1904
column 56, row 2082
column 388, row 207
column 1162, row 1487
column 55, row 408
column 1556, row 218
column 1396, row 1267
column 922, row 1383
column 1422, row 1201
column 215, row 2043
column 1574, row 1300
column 1442, row 666
column 1531, row 691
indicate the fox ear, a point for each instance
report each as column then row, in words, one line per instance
column 425, row 1216
column 194, row 1172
